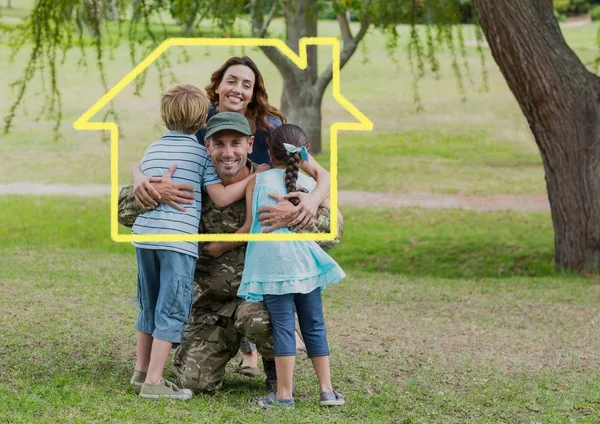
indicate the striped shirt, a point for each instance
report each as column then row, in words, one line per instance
column 194, row 167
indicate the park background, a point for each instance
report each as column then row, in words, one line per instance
column 447, row 314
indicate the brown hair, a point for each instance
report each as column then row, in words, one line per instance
column 184, row 108
column 294, row 135
column 259, row 108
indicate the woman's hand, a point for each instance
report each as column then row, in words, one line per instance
column 307, row 209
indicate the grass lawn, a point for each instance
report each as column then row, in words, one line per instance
column 478, row 147
column 481, row 345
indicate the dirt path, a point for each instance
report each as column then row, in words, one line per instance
column 493, row 202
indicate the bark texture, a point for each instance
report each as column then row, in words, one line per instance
column 560, row 99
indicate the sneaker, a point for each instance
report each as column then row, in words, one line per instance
column 270, row 401
column 164, row 389
column 331, row 399
column 138, row 378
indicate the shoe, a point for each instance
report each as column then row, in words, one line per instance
column 138, row 378
column 164, row 389
column 331, row 399
column 247, row 370
column 270, row 401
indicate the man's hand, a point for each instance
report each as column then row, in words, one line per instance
column 307, row 209
column 277, row 216
column 213, row 250
column 171, row 193
column 164, row 190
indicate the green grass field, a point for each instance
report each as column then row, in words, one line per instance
column 446, row 316
column 432, row 331
column 478, row 147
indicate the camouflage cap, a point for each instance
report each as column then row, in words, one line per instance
column 227, row 121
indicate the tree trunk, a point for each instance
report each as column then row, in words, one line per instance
column 8, row 4
column 299, row 101
column 560, row 99
column 301, row 105
column 303, row 90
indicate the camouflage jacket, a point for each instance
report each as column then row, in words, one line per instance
column 218, row 279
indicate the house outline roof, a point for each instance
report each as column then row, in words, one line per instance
column 300, row 60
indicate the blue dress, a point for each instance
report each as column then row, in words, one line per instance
column 281, row 267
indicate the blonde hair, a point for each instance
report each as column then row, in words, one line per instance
column 184, row 108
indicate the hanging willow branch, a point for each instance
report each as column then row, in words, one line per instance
column 55, row 27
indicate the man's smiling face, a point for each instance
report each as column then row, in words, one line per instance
column 229, row 151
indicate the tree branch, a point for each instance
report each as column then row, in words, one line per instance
column 344, row 28
column 259, row 29
column 345, row 55
column 263, row 31
column 281, row 62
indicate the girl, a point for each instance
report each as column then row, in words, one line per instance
column 288, row 274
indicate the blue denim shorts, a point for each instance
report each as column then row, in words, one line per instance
column 165, row 292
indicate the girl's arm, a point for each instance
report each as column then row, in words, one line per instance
column 216, row 249
column 225, row 195
column 309, row 203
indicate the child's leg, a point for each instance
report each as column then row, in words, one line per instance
column 143, row 349
column 172, row 308
column 158, row 359
column 281, row 311
column 312, row 325
column 147, row 292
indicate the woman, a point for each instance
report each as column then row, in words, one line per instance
column 238, row 86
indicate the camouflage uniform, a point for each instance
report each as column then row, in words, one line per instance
column 219, row 319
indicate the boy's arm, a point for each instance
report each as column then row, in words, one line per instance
column 225, row 195
column 216, row 249
column 220, row 194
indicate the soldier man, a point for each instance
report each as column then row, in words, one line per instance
column 219, row 319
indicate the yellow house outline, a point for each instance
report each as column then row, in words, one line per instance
column 300, row 60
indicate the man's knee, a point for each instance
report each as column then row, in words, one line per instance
column 199, row 362
column 252, row 320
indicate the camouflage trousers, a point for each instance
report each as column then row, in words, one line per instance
column 210, row 341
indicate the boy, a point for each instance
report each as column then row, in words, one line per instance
column 166, row 269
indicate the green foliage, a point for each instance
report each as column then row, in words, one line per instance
column 53, row 28
column 561, row 6
column 572, row 6
column 560, row 17
column 595, row 13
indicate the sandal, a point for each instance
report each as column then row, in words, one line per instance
column 247, row 370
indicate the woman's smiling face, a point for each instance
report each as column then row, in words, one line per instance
column 236, row 89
